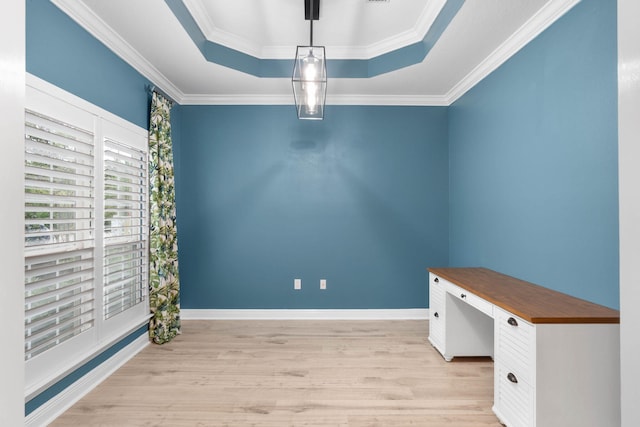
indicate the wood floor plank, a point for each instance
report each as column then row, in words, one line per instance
column 301, row 373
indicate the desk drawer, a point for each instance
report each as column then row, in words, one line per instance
column 436, row 291
column 436, row 312
column 471, row 299
column 515, row 344
column 514, row 398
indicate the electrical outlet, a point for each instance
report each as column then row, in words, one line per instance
column 297, row 284
column 323, row 283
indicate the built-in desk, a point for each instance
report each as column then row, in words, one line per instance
column 556, row 357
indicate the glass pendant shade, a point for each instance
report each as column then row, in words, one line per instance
column 310, row 82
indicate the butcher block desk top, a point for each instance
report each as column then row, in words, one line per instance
column 533, row 303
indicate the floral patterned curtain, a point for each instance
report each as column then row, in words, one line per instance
column 164, row 283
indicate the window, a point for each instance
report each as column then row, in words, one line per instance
column 125, row 227
column 86, row 231
column 59, row 237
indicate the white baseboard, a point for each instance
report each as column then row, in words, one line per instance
column 320, row 314
column 53, row 408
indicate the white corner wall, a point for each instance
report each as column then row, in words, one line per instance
column 629, row 192
column 12, row 88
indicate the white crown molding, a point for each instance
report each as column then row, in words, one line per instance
column 391, row 100
column 87, row 19
column 398, row 41
column 301, row 314
column 546, row 16
column 196, row 99
column 413, row 35
column 62, row 401
column 199, row 14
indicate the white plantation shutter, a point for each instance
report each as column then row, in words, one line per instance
column 86, row 232
column 125, row 227
column 59, row 236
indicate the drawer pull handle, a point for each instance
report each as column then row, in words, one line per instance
column 512, row 378
column 512, row 321
column 436, row 280
column 436, row 314
column 463, row 296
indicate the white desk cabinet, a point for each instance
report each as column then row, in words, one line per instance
column 460, row 323
column 437, row 315
column 556, row 358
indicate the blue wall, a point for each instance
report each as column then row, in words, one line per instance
column 363, row 201
column 64, row 54
column 359, row 199
column 533, row 152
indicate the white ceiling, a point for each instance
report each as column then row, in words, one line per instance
column 482, row 35
column 350, row 29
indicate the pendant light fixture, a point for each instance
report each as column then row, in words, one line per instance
column 310, row 72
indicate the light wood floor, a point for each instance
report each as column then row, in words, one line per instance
column 293, row 373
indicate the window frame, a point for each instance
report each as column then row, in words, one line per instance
column 53, row 364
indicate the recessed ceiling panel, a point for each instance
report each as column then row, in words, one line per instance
column 356, row 29
column 403, row 56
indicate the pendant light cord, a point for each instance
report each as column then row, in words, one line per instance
column 311, row 23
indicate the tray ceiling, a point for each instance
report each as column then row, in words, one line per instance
column 176, row 44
